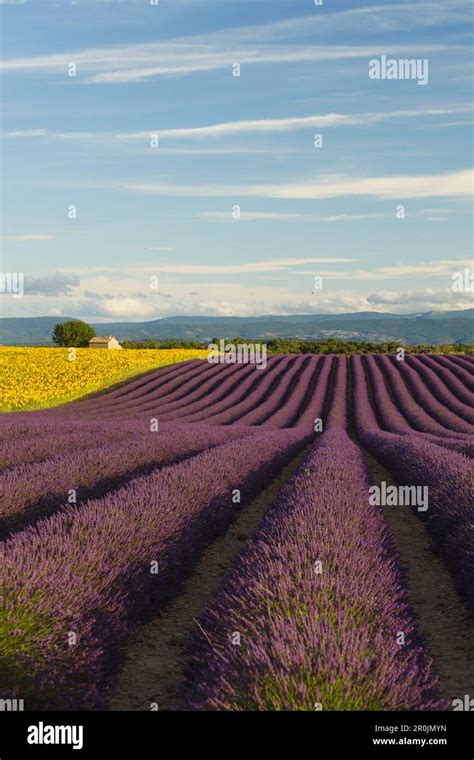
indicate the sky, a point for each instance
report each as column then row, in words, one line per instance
column 214, row 157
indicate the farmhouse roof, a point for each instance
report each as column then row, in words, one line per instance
column 100, row 339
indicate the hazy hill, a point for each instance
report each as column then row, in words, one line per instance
column 429, row 327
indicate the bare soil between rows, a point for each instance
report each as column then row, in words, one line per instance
column 155, row 654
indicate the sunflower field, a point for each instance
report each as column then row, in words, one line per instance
column 34, row 378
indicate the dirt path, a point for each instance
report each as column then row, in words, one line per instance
column 155, row 654
column 443, row 621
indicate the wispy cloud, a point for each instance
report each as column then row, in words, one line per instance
column 253, row 216
column 266, row 265
column 443, row 268
column 274, row 42
column 250, row 126
column 25, row 133
column 28, row 237
column 458, row 183
column 289, row 124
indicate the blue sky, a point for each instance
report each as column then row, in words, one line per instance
column 229, row 141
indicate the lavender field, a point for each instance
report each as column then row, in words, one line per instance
column 112, row 508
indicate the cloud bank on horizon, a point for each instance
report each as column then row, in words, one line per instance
column 222, row 158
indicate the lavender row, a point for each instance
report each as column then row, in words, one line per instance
column 449, row 478
column 170, row 392
column 32, row 491
column 309, row 615
column 448, row 475
column 54, row 441
column 319, row 394
column 338, row 410
column 439, row 387
column 219, row 387
column 291, row 411
column 462, row 372
column 277, row 399
column 75, row 585
column 245, row 400
column 416, row 414
column 391, row 418
column 163, row 377
column 428, row 400
column 444, row 369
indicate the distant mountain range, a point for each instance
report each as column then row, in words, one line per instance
column 430, row 327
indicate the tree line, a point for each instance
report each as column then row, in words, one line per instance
column 77, row 333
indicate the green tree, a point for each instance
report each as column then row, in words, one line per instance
column 74, row 333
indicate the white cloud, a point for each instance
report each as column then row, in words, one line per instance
column 457, row 183
column 26, row 133
column 144, row 270
column 28, row 237
column 288, row 124
column 420, row 300
column 259, row 44
column 443, row 268
column 252, row 216
column 51, row 285
column 246, row 127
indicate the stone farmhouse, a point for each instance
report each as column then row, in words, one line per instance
column 104, row 342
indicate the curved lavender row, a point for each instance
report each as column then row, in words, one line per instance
column 449, row 477
column 251, row 383
column 290, row 412
column 158, row 392
column 390, row 416
column 429, row 401
column 198, row 394
column 140, row 387
column 311, row 635
column 392, row 420
column 338, row 411
column 439, row 388
column 200, row 401
column 32, row 491
column 461, row 447
column 89, row 571
column 175, row 395
column 463, row 373
column 241, row 402
column 315, row 406
column 59, row 433
column 364, row 414
column 218, row 387
column 243, row 376
column 53, row 443
column 455, row 385
column 416, row 415
column 463, row 360
column 414, row 461
column 263, row 411
column 56, row 421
